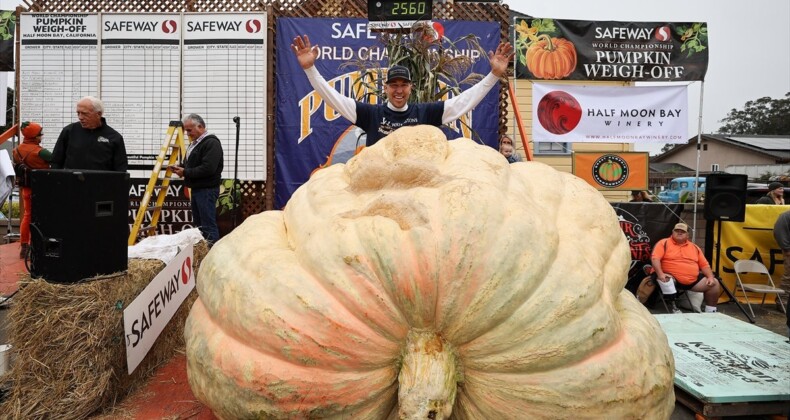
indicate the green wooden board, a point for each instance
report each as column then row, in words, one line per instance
column 720, row 359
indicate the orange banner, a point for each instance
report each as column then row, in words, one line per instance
column 612, row 171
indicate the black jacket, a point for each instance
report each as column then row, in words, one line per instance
column 100, row 149
column 203, row 168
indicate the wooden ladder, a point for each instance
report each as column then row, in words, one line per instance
column 174, row 151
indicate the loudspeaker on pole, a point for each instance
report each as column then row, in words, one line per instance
column 725, row 197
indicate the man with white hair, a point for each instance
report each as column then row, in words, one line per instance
column 90, row 143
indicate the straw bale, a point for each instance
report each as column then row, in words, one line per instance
column 68, row 347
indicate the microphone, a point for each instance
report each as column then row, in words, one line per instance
column 236, row 119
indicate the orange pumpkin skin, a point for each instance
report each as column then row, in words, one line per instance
column 428, row 278
column 553, row 58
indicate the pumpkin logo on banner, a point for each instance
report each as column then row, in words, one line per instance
column 547, row 57
column 559, row 112
column 610, row 171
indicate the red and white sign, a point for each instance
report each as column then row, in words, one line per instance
column 146, row 317
column 609, row 114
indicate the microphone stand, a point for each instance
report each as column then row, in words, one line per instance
column 234, row 216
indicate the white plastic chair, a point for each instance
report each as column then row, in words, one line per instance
column 756, row 267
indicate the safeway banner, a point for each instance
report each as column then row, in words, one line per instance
column 609, row 114
column 609, row 171
column 149, row 313
column 7, row 32
column 751, row 239
column 552, row 49
column 310, row 134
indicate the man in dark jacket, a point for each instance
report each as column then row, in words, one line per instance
column 89, row 143
column 202, row 173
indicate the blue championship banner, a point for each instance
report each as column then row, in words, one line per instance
column 309, row 133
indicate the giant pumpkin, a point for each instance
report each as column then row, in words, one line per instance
column 428, row 279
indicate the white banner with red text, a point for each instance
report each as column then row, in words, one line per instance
column 609, row 114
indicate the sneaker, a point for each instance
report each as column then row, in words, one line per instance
column 674, row 309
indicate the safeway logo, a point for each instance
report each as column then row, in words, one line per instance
column 253, row 26
column 169, row 26
column 186, row 270
column 663, row 34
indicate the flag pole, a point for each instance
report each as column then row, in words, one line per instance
column 699, row 151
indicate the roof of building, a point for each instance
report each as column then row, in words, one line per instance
column 776, row 147
column 669, row 167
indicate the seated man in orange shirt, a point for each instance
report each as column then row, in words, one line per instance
column 683, row 260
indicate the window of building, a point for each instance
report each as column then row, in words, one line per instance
column 545, row 148
column 714, row 167
column 704, row 147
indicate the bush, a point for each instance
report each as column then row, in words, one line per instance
column 14, row 210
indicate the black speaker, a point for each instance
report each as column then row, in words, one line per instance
column 725, row 197
column 79, row 227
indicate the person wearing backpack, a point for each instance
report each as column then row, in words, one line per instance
column 28, row 155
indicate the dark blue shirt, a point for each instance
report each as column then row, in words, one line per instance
column 380, row 120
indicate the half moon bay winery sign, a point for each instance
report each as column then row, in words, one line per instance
column 552, row 49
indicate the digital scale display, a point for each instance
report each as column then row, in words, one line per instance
column 390, row 14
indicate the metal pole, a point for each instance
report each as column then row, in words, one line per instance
column 234, row 216
column 699, row 151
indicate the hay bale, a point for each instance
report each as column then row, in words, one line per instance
column 69, row 354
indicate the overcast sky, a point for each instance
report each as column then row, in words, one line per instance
column 749, row 45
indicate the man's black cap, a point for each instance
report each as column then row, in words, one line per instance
column 398, row 72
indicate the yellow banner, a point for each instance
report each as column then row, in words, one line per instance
column 752, row 239
column 612, row 171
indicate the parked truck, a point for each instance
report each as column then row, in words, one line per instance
column 681, row 190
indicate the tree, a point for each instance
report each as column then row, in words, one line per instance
column 765, row 116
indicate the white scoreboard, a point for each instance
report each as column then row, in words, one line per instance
column 150, row 69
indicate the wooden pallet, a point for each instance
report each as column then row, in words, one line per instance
column 712, row 411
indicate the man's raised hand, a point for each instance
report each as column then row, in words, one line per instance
column 500, row 59
column 305, row 53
